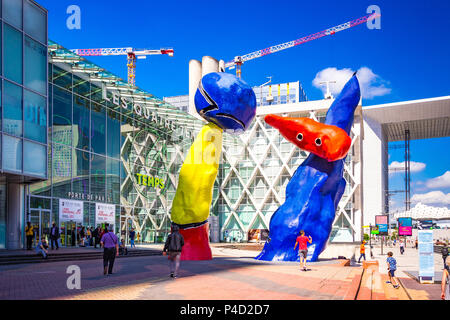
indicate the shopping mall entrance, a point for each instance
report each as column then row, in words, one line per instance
column 40, row 217
column 40, row 220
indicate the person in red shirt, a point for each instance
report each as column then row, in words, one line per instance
column 302, row 241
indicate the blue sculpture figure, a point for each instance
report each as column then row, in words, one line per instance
column 314, row 191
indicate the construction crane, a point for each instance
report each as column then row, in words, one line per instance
column 239, row 60
column 131, row 54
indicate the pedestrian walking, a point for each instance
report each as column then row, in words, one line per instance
column 362, row 251
column 54, row 236
column 445, row 282
column 122, row 248
column 417, row 244
column 110, row 244
column 302, row 241
column 401, row 246
column 173, row 247
column 82, row 237
column 29, row 232
column 42, row 248
column 96, row 235
column 392, row 267
column 444, row 252
column 132, row 236
column 88, row 236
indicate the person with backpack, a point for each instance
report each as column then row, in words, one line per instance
column 444, row 252
column 110, row 243
column 173, row 246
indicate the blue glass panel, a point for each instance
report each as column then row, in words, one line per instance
column 12, row 109
column 35, row 66
column 81, row 121
column 12, row 154
column 12, row 12
column 62, row 116
column 35, row 115
column 62, row 166
column 35, row 159
column 113, row 137
column 80, row 182
column 98, row 174
column 113, row 180
column 98, row 126
column 35, row 21
column 12, row 49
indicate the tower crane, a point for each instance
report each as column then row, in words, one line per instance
column 131, row 54
column 239, row 60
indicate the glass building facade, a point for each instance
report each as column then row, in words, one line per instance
column 24, row 113
column 108, row 143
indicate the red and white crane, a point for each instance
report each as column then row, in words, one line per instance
column 239, row 60
column 131, row 53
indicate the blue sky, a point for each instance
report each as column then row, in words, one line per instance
column 408, row 58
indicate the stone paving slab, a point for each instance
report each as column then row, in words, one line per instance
column 229, row 276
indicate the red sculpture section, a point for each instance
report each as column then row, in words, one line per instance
column 196, row 243
column 326, row 141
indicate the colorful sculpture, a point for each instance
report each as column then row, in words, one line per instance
column 229, row 104
column 314, row 191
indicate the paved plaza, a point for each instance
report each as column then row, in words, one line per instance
column 233, row 274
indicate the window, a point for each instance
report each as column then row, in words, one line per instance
column 12, row 154
column 35, row 115
column 113, row 180
column 35, row 22
column 61, row 170
column 12, row 48
column 62, row 116
column 81, row 122
column 35, row 66
column 62, row 78
column 12, row 112
column 35, row 159
column 80, row 183
column 98, row 126
column 81, row 86
column 113, row 138
column 98, row 172
column 12, row 12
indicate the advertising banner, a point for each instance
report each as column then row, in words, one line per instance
column 405, row 226
column 382, row 222
column 105, row 213
column 425, row 225
column 70, row 210
column 426, row 256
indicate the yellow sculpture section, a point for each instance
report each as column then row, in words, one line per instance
column 197, row 175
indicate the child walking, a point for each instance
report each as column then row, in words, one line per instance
column 392, row 266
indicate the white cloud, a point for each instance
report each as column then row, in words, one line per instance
column 413, row 166
column 439, row 182
column 371, row 84
column 433, row 197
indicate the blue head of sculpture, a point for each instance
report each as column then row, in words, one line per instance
column 226, row 100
